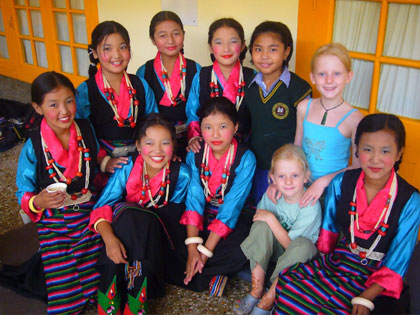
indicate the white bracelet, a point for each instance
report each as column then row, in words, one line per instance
column 205, row 251
column 364, row 302
column 97, row 222
column 193, row 139
column 104, row 162
column 193, row 240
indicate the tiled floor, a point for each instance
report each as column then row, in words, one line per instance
column 177, row 301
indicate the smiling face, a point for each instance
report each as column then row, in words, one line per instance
column 113, row 54
column 58, row 108
column 218, row 130
column 226, row 46
column 156, row 148
column 378, row 153
column 168, row 38
column 268, row 54
column 289, row 178
column 330, row 76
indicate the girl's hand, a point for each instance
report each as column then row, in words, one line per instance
column 194, row 263
column 115, row 163
column 204, row 259
column 360, row 310
column 50, row 200
column 115, row 250
column 273, row 194
column 313, row 193
column 195, row 145
column 264, row 216
column 176, row 158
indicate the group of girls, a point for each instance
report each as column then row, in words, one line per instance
column 154, row 208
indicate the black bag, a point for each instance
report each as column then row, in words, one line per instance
column 16, row 120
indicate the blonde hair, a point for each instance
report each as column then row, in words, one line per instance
column 333, row 49
column 290, row 152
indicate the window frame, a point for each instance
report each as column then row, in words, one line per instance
column 315, row 28
column 15, row 66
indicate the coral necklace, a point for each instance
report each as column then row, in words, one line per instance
column 382, row 221
column 205, row 173
column 167, row 84
column 163, row 185
column 134, row 103
column 53, row 170
column 215, row 91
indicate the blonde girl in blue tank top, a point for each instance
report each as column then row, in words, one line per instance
column 326, row 126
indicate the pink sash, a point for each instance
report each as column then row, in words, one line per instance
column 230, row 88
column 122, row 100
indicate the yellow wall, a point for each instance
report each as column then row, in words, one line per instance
column 135, row 15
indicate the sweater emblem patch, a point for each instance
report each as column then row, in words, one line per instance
column 280, row 110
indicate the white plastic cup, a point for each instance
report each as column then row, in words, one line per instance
column 56, row 187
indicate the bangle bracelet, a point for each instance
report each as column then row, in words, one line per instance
column 205, row 251
column 193, row 240
column 104, row 162
column 33, row 207
column 97, row 222
column 364, row 302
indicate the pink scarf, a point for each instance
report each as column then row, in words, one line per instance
column 135, row 183
column 69, row 159
column 230, row 88
column 174, row 80
column 216, row 168
column 122, row 100
column 369, row 214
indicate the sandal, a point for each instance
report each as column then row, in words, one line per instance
column 246, row 305
column 259, row 311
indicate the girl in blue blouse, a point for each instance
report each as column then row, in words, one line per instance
column 132, row 217
column 111, row 99
column 221, row 175
column 368, row 234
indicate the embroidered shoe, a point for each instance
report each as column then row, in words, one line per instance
column 217, row 285
column 246, row 305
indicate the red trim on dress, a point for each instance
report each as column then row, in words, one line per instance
column 104, row 212
column 391, row 281
column 193, row 130
column 219, row 228
column 24, row 203
column 327, row 241
column 192, row 218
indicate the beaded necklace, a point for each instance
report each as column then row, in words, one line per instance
column 205, row 173
column 167, row 84
column 215, row 91
column 134, row 103
column 163, row 185
column 53, row 170
column 382, row 222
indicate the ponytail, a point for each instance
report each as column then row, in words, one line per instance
column 93, row 62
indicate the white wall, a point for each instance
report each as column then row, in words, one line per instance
column 135, row 15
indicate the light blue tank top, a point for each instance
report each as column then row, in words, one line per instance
column 326, row 149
